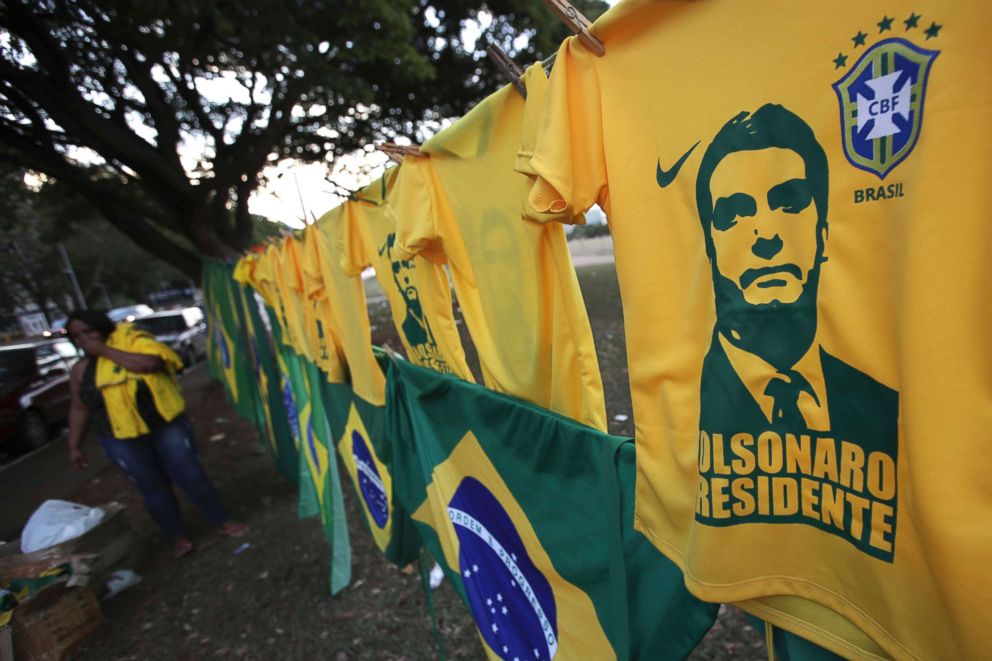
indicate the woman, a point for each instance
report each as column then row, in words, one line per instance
column 126, row 386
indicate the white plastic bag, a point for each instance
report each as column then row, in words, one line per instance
column 437, row 576
column 119, row 581
column 57, row 521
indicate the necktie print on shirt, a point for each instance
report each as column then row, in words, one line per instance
column 762, row 188
column 784, row 389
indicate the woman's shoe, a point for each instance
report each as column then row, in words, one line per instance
column 181, row 547
column 234, row 529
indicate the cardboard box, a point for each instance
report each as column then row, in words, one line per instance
column 6, row 645
column 50, row 624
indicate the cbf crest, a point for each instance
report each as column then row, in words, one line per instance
column 881, row 104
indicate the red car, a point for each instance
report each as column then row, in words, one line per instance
column 34, row 391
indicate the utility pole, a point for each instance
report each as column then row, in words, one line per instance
column 72, row 278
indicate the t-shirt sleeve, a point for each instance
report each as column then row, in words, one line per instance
column 569, row 160
column 146, row 344
column 412, row 203
column 354, row 257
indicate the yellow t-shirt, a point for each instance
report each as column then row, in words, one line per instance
column 342, row 309
column 514, row 281
column 716, row 135
column 289, row 278
column 418, row 291
column 325, row 346
column 262, row 276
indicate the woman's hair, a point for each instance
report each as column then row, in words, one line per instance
column 95, row 319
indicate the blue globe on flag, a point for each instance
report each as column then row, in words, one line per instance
column 511, row 601
column 225, row 353
column 289, row 401
column 369, row 481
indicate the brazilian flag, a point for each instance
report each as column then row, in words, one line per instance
column 270, row 410
column 296, row 402
column 526, row 512
column 226, row 334
column 320, row 489
column 366, row 454
column 318, row 451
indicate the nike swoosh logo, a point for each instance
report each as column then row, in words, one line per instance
column 665, row 177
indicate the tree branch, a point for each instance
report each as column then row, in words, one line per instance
column 52, row 89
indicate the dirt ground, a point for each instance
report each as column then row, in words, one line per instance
column 271, row 598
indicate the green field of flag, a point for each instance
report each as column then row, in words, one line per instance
column 529, row 514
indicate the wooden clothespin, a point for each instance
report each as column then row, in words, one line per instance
column 397, row 152
column 578, row 23
column 548, row 63
column 510, row 68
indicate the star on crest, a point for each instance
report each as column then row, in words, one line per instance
column 932, row 31
column 885, row 24
column 859, row 38
column 912, row 21
column 840, row 61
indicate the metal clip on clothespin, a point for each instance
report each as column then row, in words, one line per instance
column 578, row 23
column 509, row 68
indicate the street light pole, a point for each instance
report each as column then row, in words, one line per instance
column 72, row 278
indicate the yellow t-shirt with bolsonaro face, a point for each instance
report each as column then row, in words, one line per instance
column 796, row 194
column 515, row 281
column 418, row 291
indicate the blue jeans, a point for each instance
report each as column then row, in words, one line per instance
column 155, row 461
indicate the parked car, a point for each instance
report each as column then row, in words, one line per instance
column 34, row 390
column 57, row 329
column 129, row 312
column 184, row 330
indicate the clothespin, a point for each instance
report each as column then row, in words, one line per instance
column 397, row 152
column 510, row 68
column 548, row 63
column 578, row 23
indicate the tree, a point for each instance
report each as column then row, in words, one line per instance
column 35, row 225
column 163, row 115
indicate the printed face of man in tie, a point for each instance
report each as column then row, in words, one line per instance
column 764, row 227
column 762, row 197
